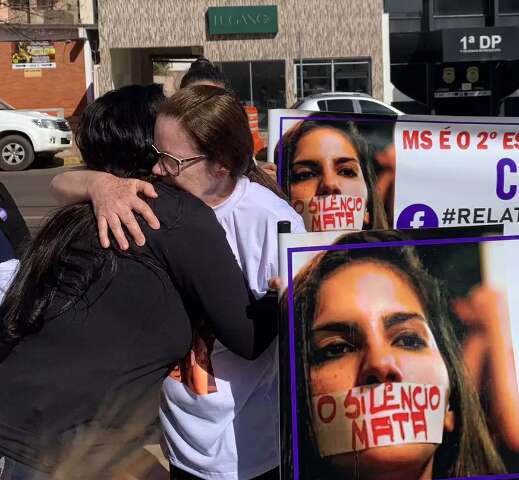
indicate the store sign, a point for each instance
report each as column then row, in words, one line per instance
column 33, row 55
column 469, row 44
column 242, row 20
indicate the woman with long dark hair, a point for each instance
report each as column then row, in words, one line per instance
column 89, row 334
column 328, row 157
column 373, row 316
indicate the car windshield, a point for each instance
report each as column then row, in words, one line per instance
column 5, row 106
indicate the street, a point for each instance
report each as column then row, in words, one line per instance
column 30, row 190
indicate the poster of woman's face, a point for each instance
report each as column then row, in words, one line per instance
column 337, row 171
column 401, row 358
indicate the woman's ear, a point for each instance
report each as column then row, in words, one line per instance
column 220, row 171
column 450, row 420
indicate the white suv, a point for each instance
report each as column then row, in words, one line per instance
column 345, row 102
column 25, row 134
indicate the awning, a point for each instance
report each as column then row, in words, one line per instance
column 11, row 32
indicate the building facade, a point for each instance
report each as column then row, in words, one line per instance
column 262, row 48
column 455, row 57
column 48, row 50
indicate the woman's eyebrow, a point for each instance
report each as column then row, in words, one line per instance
column 305, row 163
column 346, row 160
column 397, row 318
column 337, row 327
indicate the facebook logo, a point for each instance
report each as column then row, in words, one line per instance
column 417, row 215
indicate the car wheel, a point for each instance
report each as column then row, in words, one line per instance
column 16, row 153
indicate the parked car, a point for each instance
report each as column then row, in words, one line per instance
column 23, row 135
column 346, row 102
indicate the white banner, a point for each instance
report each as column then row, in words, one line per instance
column 456, row 173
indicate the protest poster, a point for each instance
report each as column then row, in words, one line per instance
column 372, row 379
column 338, row 170
column 413, row 172
column 455, row 172
column 33, row 55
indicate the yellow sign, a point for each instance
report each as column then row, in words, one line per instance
column 33, row 55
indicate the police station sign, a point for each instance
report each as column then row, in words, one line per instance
column 469, row 44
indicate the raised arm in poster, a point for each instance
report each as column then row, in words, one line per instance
column 381, row 346
column 338, row 173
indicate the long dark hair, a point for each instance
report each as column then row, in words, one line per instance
column 377, row 216
column 217, row 122
column 115, row 135
column 467, row 450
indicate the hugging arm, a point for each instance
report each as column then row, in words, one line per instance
column 208, row 276
column 115, row 200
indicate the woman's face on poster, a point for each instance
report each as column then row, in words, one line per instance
column 370, row 328
column 325, row 162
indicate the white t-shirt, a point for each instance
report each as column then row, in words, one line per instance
column 233, row 433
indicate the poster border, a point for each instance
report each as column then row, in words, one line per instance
column 292, row 333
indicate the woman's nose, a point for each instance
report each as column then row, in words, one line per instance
column 379, row 365
column 329, row 184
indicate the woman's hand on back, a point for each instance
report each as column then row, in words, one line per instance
column 115, row 201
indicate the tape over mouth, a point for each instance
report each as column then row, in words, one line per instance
column 379, row 415
column 324, row 213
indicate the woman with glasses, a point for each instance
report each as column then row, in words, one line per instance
column 89, row 334
column 228, row 428
column 221, row 418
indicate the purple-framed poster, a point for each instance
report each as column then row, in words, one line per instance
column 396, row 355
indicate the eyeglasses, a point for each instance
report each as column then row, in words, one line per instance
column 174, row 165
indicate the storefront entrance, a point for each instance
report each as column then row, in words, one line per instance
column 146, row 65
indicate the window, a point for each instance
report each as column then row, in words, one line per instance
column 373, row 107
column 317, row 78
column 19, row 4
column 351, row 77
column 321, row 104
column 340, row 105
column 45, row 4
column 261, row 84
column 404, row 7
column 508, row 6
column 5, row 106
column 332, row 75
column 460, row 7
